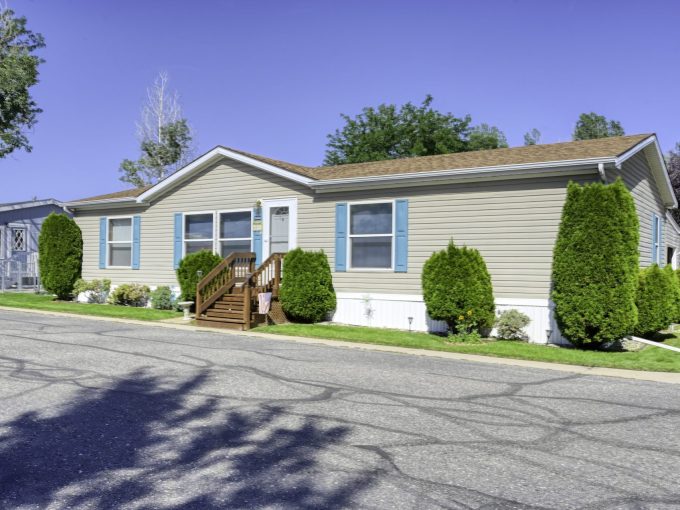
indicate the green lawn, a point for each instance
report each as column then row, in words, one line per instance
column 651, row 358
column 43, row 302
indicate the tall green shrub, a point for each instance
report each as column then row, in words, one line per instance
column 60, row 250
column 655, row 301
column 307, row 293
column 675, row 283
column 457, row 288
column 187, row 272
column 595, row 264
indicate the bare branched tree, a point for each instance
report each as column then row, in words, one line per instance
column 164, row 135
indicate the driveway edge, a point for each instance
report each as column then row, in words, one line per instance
column 662, row 377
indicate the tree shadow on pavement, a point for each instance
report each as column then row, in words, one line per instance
column 144, row 443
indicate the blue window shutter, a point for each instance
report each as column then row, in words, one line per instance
column 662, row 248
column 136, row 236
column 655, row 230
column 257, row 235
column 102, row 242
column 401, row 237
column 340, row 237
column 178, row 239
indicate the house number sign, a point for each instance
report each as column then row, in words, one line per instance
column 257, row 225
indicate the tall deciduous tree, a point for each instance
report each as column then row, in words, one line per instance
column 486, row 137
column 591, row 125
column 18, row 73
column 391, row 132
column 164, row 136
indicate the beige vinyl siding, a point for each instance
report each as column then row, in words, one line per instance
column 219, row 187
column 637, row 176
column 513, row 223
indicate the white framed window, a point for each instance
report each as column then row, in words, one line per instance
column 199, row 232
column 19, row 238
column 371, row 235
column 119, row 242
column 656, row 239
column 235, row 231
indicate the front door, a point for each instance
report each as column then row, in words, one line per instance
column 280, row 226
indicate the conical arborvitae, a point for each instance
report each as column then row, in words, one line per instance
column 595, row 264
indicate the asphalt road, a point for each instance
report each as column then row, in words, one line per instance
column 107, row 415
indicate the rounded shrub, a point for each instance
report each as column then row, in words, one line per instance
column 162, row 298
column 189, row 266
column 672, row 274
column 60, row 250
column 306, row 293
column 130, row 294
column 457, row 289
column 655, row 301
column 510, row 325
column 595, row 264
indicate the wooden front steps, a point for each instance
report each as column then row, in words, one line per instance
column 227, row 296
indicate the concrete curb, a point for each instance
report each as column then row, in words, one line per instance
column 662, row 377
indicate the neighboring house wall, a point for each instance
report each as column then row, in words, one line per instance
column 513, row 223
column 30, row 218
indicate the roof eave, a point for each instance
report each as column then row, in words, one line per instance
column 28, row 205
column 545, row 168
column 107, row 203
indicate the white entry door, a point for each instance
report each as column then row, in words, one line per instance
column 279, row 226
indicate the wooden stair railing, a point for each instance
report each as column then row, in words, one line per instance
column 232, row 270
column 267, row 277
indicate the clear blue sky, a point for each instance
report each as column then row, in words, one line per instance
column 272, row 77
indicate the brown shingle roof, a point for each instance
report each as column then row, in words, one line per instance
column 565, row 151
column 128, row 193
column 584, row 149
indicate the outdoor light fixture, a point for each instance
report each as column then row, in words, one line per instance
column 410, row 321
column 199, row 273
column 548, row 333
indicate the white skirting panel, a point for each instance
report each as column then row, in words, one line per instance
column 394, row 311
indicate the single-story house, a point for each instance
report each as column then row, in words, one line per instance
column 20, row 224
column 378, row 222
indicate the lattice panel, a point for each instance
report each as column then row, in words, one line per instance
column 18, row 239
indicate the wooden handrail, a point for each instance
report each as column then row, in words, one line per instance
column 234, row 268
column 267, row 277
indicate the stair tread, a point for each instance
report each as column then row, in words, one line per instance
column 232, row 315
column 221, row 319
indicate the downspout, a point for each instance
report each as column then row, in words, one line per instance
column 600, row 170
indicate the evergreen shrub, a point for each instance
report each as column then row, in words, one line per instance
column 60, row 251
column 595, row 264
column 656, row 301
column 187, row 276
column 306, row 293
column 457, row 289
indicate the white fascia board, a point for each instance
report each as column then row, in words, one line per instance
column 632, row 152
column 672, row 201
column 209, row 157
column 107, row 204
column 572, row 167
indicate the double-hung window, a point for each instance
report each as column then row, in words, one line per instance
column 235, row 232
column 198, row 232
column 371, row 235
column 120, row 242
